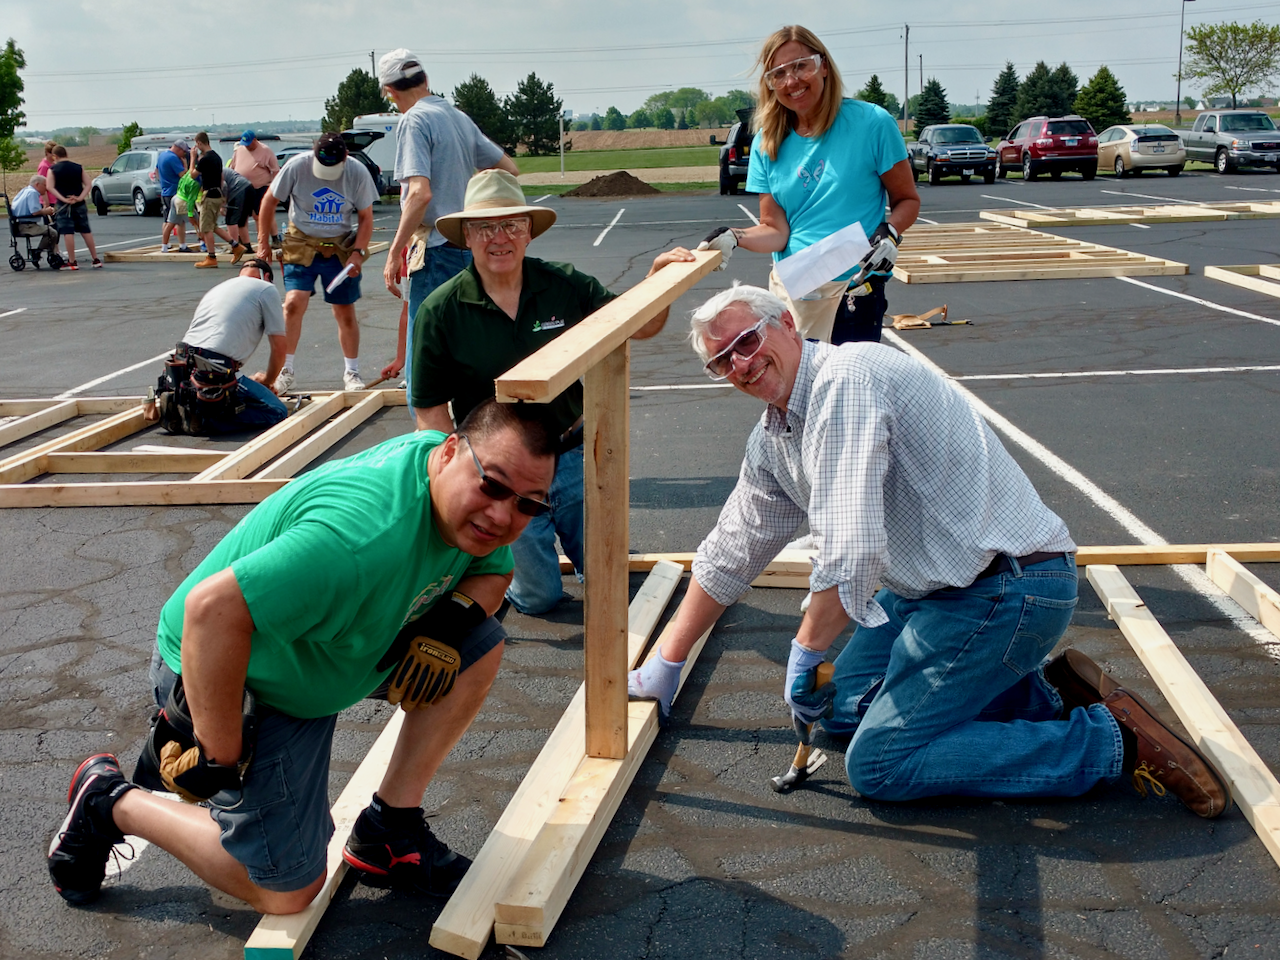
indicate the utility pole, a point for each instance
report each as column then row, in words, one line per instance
column 372, row 69
column 1182, row 20
column 922, row 73
column 906, row 77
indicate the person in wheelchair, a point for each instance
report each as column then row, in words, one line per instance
column 28, row 217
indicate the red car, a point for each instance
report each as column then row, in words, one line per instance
column 1049, row 145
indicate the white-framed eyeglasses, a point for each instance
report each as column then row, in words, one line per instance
column 801, row 69
column 745, row 345
column 516, row 228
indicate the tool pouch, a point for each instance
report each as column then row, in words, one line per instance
column 299, row 249
column 196, row 387
column 417, row 256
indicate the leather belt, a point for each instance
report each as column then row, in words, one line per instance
column 1003, row 564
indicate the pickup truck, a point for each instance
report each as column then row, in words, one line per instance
column 952, row 149
column 1234, row 138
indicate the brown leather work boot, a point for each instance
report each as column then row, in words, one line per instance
column 1163, row 761
column 207, row 263
column 1079, row 680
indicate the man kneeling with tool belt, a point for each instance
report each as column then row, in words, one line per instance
column 372, row 576
column 199, row 393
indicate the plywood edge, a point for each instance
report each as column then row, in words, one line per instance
column 280, row 936
column 1259, row 599
column 466, row 922
column 1253, row 786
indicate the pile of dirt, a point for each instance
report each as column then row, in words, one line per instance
column 619, row 184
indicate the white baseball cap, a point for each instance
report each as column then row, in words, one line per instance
column 399, row 64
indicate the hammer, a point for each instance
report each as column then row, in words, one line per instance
column 807, row 759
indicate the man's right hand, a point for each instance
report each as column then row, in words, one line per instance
column 391, row 272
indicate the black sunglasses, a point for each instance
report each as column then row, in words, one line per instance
column 494, row 490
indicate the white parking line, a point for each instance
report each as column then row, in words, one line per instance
column 1141, row 226
column 1191, row 574
column 1252, row 189
column 1204, row 303
column 749, row 214
column 541, row 198
column 609, row 227
column 110, row 376
column 687, row 386
column 1025, row 203
column 1167, row 371
column 927, row 220
column 1148, row 196
column 10, row 313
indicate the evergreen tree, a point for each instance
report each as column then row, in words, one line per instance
column 11, row 116
column 1065, row 87
column 1101, row 102
column 1035, row 94
column 595, row 122
column 130, row 131
column 640, row 119
column 873, row 92
column 664, row 119
column 476, row 99
column 534, row 113
column 1003, row 103
column 932, row 107
column 614, row 120
column 358, row 94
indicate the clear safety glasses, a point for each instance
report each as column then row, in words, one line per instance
column 801, row 69
column 517, row 228
column 745, row 345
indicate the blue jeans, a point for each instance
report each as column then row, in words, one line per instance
column 536, row 586
column 262, row 408
column 949, row 698
column 439, row 265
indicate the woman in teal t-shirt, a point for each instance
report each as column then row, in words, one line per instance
column 820, row 163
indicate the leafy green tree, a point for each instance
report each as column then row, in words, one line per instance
column 1101, row 102
column 476, row 99
column 715, row 113
column 84, row 133
column 534, row 112
column 933, row 107
column 1190, row 102
column 1233, row 57
column 130, row 131
column 873, row 92
column 11, row 116
column 738, row 100
column 358, row 94
column 580, row 125
column 595, row 123
column 664, row 119
column 12, row 157
column 892, row 105
column 1003, row 105
column 640, row 119
column 677, row 100
column 614, row 120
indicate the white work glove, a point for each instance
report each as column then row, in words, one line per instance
column 808, row 701
column 657, row 679
column 723, row 239
column 879, row 260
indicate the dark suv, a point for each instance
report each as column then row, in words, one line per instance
column 1049, row 145
column 735, row 152
column 951, row 149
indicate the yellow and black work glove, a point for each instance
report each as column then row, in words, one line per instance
column 193, row 776
column 426, row 650
column 173, row 754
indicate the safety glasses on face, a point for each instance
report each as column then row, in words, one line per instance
column 494, row 490
column 515, row 228
column 745, row 345
column 801, row 69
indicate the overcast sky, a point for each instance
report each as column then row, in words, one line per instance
column 106, row 62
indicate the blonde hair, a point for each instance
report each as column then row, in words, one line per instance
column 48, row 147
column 772, row 119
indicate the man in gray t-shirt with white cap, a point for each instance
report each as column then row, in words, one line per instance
column 326, row 193
column 438, row 148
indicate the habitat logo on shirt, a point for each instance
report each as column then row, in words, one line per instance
column 328, row 206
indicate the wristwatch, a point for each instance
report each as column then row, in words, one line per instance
column 363, row 251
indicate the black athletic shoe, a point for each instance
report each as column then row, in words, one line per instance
column 80, row 849
column 406, row 855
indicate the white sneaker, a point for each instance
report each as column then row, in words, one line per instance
column 351, row 381
column 284, row 382
column 164, row 248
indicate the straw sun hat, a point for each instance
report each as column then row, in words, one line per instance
column 492, row 194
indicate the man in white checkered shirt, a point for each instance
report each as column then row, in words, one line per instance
column 942, row 686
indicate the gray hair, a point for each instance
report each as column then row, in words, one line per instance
column 763, row 304
column 36, row 180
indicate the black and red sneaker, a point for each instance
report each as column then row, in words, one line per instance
column 397, row 848
column 80, row 849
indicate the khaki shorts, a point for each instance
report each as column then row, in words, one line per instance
column 816, row 314
column 210, row 207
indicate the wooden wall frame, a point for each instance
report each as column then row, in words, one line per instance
column 152, row 254
column 1157, row 213
column 1258, row 277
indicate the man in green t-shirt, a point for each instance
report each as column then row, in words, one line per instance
column 477, row 325
column 381, row 570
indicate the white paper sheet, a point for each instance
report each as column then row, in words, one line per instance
column 803, row 272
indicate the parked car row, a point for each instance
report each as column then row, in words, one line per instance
column 1229, row 139
column 133, row 179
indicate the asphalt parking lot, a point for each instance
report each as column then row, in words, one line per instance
column 1140, row 415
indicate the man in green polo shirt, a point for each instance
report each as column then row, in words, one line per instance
column 383, row 567
column 482, row 322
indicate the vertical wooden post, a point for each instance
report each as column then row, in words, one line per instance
column 606, row 444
